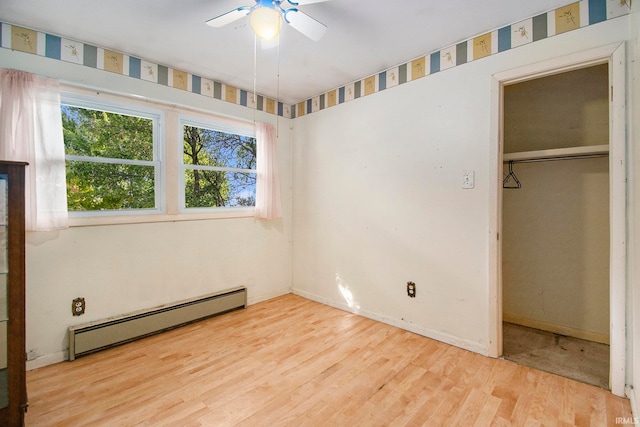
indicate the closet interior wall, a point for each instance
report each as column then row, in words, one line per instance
column 555, row 247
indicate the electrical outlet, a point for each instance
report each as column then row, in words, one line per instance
column 411, row 289
column 78, row 306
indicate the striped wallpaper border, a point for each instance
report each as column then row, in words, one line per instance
column 55, row 47
column 563, row 19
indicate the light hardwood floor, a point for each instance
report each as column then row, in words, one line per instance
column 293, row 362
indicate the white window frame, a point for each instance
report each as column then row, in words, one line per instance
column 158, row 119
column 221, row 126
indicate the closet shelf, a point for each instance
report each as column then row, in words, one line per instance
column 556, row 153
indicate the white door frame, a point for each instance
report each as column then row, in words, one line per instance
column 614, row 55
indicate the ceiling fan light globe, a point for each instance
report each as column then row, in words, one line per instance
column 266, row 22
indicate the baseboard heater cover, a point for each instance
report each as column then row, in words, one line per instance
column 95, row 336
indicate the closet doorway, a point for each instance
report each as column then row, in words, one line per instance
column 555, row 224
column 560, row 246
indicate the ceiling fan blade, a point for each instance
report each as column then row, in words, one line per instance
column 229, row 17
column 305, row 2
column 305, row 24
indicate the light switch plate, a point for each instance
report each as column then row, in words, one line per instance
column 468, row 179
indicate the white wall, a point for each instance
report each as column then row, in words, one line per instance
column 378, row 200
column 122, row 268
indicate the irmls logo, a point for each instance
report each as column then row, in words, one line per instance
column 627, row 420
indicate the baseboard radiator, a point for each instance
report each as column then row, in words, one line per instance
column 95, row 336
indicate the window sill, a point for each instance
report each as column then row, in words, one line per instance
column 152, row 218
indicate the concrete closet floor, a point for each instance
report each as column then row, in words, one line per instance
column 569, row 357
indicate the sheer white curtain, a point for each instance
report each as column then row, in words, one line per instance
column 268, row 175
column 31, row 131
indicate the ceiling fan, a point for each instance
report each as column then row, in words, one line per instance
column 267, row 17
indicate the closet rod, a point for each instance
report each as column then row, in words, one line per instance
column 553, row 159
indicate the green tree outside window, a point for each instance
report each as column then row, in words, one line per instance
column 219, row 168
column 104, row 147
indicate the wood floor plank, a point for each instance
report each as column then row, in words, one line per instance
column 525, row 383
column 293, row 362
column 538, row 402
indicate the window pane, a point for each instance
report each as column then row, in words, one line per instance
column 205, row 189
column 102, row 186
column 214, row 148
column 101, row 134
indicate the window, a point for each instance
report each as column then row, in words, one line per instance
column 112, row 157
column 218, row 166
column 119, row 152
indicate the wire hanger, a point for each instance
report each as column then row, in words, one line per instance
column 511, row 176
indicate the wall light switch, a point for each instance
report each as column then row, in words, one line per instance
column 468, row 179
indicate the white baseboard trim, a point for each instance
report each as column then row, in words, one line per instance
column 47, row 359
column 398, row 323
column 265, row 297
column 61, row 356
column 558, row 329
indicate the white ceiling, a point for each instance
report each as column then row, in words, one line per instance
column 364, row 37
